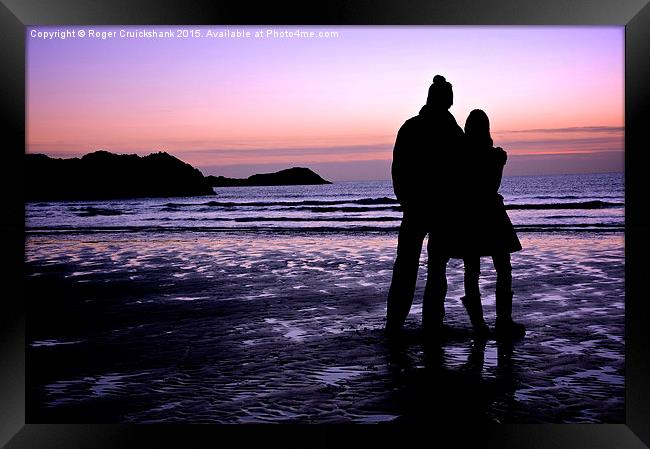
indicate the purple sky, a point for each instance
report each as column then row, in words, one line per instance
column 237, row 106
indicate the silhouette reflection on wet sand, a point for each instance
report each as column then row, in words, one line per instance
column 432, row 382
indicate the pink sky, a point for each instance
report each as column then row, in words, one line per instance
column 555, row 96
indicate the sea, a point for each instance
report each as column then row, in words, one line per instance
column 267, row 304
column 560, row 203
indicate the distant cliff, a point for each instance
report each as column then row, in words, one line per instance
column 104, row 175
column 288, row 177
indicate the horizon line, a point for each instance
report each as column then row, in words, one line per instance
column 505, row 176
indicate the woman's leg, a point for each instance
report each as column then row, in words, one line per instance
column 503, row 268
column 472, row 298
column 505, row 326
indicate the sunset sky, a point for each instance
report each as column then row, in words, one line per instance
column 239, row 106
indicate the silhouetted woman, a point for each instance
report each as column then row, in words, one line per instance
column 490, row 231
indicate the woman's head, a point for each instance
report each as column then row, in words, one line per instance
column 477, row 127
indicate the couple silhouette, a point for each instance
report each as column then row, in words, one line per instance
column 447, row 183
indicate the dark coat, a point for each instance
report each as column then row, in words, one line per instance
column 425, row 171
column 487, row 227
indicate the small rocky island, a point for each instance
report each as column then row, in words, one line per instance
column 288, row 177
column 104, row 175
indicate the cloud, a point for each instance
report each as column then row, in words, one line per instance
column 584, row 139
column 531, row 151
column 564, row 163
column 574, row 129
column 231, row 156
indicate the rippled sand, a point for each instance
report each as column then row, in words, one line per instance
column 225, row 328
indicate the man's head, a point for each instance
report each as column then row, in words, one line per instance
column 440, row 95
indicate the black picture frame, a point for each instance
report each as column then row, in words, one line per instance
column 15, row 15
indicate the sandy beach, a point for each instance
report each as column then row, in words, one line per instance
column 221, row 327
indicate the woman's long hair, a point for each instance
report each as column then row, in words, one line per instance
column 477, row 128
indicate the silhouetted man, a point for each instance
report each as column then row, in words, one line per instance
column 424, row 171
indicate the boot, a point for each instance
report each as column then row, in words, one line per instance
column 474, row 309
column 505, row 328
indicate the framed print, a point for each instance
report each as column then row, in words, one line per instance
column 350, row 223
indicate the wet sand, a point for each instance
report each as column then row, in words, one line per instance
column 261, row 327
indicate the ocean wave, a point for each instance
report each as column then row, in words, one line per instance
column 90, row 211
column 541, row 228
column 308, row 219
column 313, row 209
column 275, row 219
column 237, row 229
column 322, row 205
column 230, row 204
column 571, row 197
column 364, row 219
column 576, row 205
column 570, row 225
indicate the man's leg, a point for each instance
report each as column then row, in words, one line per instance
column 472, row 266
column 405, row 272
column 433, row 303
